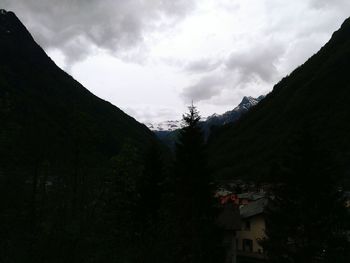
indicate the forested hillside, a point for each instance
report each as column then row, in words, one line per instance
column 62, row 150
column 315, row 97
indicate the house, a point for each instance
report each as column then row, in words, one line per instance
column 252, row 230
column 242, row 219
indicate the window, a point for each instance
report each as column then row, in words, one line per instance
column 248, row 245
column 246, row 225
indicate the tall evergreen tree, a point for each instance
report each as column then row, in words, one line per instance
column 306, row 220
column 193, row 203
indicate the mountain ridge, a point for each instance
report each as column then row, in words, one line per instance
column 42, row 104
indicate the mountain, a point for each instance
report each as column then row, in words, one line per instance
column 48, row 117
column 72, row 166
column 167, row 131
column 231, row 116
column 313, row 99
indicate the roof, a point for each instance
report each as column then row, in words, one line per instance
column 251, row 196
column 222, row 192
column 253, row 208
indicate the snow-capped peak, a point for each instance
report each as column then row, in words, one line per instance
column 248, row 100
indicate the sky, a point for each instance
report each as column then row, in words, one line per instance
column 152, row 58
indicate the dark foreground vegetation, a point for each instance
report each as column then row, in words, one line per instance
column 133, row 211
column 306, row 218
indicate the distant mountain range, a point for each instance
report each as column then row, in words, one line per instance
column 215, row 119
column 167, row 131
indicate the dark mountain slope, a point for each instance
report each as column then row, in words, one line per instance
column 64, row 196
column 48, row 116
column 314, row 98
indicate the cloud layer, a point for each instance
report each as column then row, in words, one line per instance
column 77, row 27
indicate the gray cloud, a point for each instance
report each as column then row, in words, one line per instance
column 258, row 61
column 206, row 88
column 202, row 66
column 77, row 26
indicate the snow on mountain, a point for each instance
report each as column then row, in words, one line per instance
column 164, row 126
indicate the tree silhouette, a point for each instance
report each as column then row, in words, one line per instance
column 193, row 203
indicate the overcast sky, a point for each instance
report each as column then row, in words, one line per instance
column 152, row 57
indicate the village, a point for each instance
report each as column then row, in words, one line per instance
column 243, row 206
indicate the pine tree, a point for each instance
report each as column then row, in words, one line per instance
column 193, row 203
column 306, row 220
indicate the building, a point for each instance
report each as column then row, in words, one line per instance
column 252, row 230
